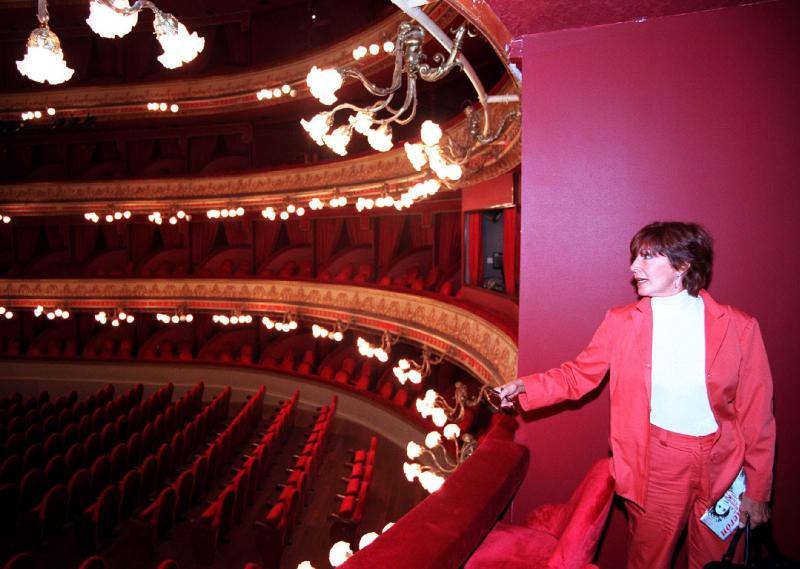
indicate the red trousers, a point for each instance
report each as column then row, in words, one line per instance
column 678, row 484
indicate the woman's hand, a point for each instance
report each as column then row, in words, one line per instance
column 509, row 392
column 758, row 512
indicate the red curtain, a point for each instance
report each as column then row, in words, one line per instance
column 420, row 236
column 238, row 231
column 510, row 250
column 448, row 242
column 356, row 234
column 326, row 234
column 266, row 237
column 85, row 241
column 26, row 236
column 390, row 229
column 474, row 249
column 56, row 237
column 203, row 236
column 297, row 235
column 115, row 235
column 173, row 236
column 141, row 240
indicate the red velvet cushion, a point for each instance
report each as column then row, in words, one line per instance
column 347, row 507
column 513, row 547
column 275, row 514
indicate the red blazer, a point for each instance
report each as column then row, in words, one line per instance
column 739, row 387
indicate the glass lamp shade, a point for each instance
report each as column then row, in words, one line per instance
column 44, row 60
column 178, row 44
column 107, row 22
column 323, row 84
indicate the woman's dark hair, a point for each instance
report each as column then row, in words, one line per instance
column 682, row 243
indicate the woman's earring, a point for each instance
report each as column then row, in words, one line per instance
column 677, row 281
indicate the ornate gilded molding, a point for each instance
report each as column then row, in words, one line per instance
column 215, row 94
column 476, row 344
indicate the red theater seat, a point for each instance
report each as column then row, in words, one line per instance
column 555, row 535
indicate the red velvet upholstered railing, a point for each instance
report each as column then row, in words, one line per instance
column 448, row 525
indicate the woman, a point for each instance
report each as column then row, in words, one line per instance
column 691, row 398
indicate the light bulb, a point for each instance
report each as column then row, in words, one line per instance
column 323, row 84
column 374, row 49
column 339, row 553
column 452, row 431
column 433, row 439
column 366, row 539
column 109, row 23
column 431, row 133
column 413, row 450
column 44, row 60
column 178, row 44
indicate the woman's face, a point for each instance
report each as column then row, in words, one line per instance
column 654, row 276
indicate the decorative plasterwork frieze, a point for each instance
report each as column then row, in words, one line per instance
column 473, row 342
column 214, row 94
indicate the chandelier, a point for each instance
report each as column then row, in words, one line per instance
column 374, row 121
column 44, row 60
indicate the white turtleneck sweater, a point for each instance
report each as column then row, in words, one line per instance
column 679, row 398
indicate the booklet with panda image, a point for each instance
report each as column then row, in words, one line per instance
column 723, row 517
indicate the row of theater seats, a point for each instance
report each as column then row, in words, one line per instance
column 17, row 418
column 274, row 530
column 172, row 438
column 63, row 501
column 354, row 499
column 173, row 501
column 117, row 491
column 239, row 492
column 30, row 468
column 51, row 432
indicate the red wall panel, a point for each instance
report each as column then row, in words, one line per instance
column 690, row 117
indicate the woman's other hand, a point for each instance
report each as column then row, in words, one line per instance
column 758, row 512
column 509, row 392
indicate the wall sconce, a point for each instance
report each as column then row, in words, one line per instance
column 5, row 218
column 109, row 217
column 6, row 313
column 225, row 213
column 287, row 324
column 173, row 219
column 336, row 333
column 409, row 370
column 117, row 317
column 52, row 314
column 233, row 318
column 440, row 411
column 180, row 315
column 432, row 477
column 381, row 353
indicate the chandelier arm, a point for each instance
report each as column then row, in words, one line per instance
column 432, row 74
column 484, row 138
column 441, row 467
column 449, row 462
column 135, row 8
column 42, row 13
column 431, row 27
column 410, row 101
column 369, row 85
